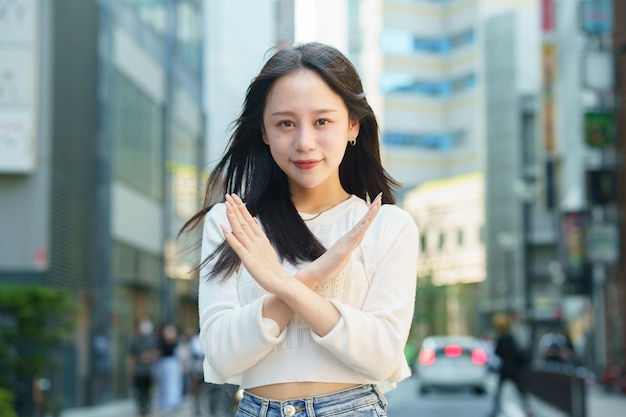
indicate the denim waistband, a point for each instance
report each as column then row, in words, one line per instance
column 339, row 402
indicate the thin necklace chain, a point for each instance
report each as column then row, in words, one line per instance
column 324, row 211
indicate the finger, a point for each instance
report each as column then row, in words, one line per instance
column 238, row 208
column 235, row 220
column 359, row 229
column 233, row 241
column 372, row 210
column 245, row 214
column 246, row 217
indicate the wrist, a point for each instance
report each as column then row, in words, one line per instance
column 306, row 277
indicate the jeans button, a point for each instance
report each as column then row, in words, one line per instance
column 289, row 410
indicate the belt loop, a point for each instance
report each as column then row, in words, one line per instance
column 264, row 406
column 381, row 398
column 310, row 410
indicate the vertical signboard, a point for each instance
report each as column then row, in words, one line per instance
column 573, row 253
column 597, row 17
column 18, row 92
column 548, row 58
column 548, row 108
column 548, row 76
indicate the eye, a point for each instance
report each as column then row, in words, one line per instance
column 322, row 122
column 286, row 123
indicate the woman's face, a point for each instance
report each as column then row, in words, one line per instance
column 307, row 127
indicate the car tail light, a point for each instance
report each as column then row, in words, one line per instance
column 479, row 357
column 427, row 357
column 453, row 351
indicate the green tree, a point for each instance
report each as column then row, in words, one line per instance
column 7, row 403
column 33, row 321
column 430, row 316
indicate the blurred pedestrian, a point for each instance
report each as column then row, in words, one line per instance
column 142, row 354
column 512, row 363
column 556, row 348
column 307, row 289
column 196, row 374
column 102, row 367
column 489, row 346
column 170, row 371
column 183, row 351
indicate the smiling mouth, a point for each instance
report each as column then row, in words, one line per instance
column 306, row 164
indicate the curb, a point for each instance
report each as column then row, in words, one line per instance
column 118, row 408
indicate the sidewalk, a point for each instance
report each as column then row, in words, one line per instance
column 123, row 408
column 599, row 404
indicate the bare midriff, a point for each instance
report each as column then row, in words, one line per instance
column 292, row 390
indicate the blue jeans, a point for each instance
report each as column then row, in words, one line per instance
column 361, row 401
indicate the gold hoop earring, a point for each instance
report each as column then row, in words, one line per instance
column 352, row 142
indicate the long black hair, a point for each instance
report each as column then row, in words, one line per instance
column 248, row 169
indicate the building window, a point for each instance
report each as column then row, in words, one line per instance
column 153, row 13
column 137, row 125
column 184, row 171
column 189, row 34
column 399, row 42
column 423, row 243
column 405, row 83
column 460, row 238
column 442, row 241
column 355, row 33
column 132, row 265
column 442, row 142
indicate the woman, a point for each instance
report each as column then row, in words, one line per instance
column 170, row 370
column 308, row 276
column 512, row 363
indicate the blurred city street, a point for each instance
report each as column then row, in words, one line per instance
column 405, row 401
column 502, row 121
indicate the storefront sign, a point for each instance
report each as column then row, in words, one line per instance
column 18, row 87
column 600, row 130
column 603, row 242
column 597, row 17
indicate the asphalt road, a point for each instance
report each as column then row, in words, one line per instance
column 405, row 401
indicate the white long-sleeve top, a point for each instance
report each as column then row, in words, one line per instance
column 375, row 294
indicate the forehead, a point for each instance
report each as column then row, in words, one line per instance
column 298, row 85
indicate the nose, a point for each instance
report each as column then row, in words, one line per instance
column 304, row 139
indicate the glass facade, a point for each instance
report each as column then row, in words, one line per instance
column 442, row 142
column 404, row 43
column 189, row 26
column 189, row 34
column 153, row 13
column 183, row 168
column 137, row 125
column 135, row 266
column 400, row 42
column 394, row 82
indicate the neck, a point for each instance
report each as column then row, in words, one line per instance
column 314, row 204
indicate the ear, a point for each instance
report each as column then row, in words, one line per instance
column 264, row 134
column 354, row 126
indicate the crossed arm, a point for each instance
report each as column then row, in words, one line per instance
column 288, row 295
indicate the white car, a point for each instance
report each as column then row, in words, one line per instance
column 452, row 362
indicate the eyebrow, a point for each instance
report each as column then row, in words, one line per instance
column 290, row 113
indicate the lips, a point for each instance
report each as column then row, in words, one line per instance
column 306, row 164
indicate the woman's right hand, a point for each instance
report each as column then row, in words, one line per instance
column 332, row 262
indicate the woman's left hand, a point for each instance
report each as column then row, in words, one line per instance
column 331, row 262
column 250, row 243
